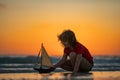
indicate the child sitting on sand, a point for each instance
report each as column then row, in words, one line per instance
column 80, row 59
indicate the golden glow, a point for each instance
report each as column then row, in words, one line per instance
column 24, row 26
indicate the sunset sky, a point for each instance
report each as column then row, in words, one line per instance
column 25, row 24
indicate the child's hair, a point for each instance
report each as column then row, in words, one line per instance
column 68, row 35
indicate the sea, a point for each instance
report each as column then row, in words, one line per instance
column 24, row 64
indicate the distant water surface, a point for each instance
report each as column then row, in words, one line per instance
column 25, row 64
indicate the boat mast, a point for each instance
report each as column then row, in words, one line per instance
column 41, row 55
column 38, row 57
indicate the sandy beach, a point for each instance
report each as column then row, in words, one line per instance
column 93, row 75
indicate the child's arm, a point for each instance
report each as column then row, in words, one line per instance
column 61, row 61
column 77, row 63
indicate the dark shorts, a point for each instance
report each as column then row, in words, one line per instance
column 85, row 65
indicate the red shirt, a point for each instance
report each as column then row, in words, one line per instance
column 80, row 49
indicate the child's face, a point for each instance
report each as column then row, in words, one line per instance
column 65, row 43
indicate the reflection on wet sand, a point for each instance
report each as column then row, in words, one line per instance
column 103, row 75
column 55, row 76
column 69, row 76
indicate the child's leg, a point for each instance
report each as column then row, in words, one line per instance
column 85, row 65
column 67, row 66
column 73, row 58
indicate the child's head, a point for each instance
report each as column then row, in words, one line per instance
column 67, row 38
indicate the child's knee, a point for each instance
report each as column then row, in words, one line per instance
column 72, row 55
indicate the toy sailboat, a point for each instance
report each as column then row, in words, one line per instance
column 45, row 62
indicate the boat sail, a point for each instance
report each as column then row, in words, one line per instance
column 45, row 61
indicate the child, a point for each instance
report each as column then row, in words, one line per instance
column 80, row 60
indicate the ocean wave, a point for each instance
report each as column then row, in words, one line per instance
column 25, row 64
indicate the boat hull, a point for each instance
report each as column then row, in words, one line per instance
column 41, row 70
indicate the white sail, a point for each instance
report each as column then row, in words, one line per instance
column 45, row 58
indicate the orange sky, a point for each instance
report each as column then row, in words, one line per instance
column 25, row 24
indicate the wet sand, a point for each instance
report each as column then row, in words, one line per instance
column 94, row 75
